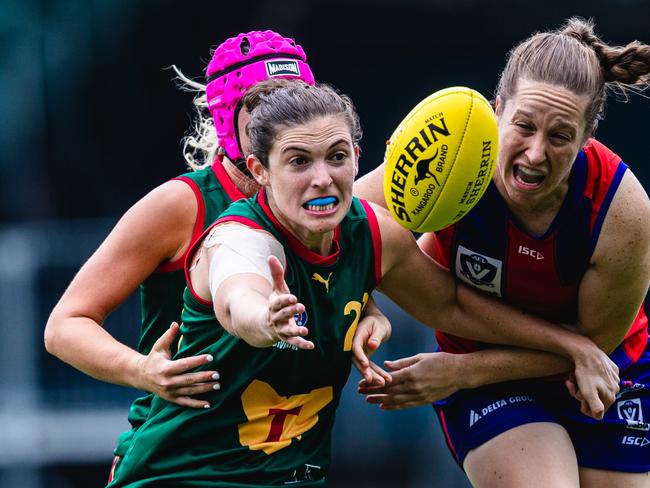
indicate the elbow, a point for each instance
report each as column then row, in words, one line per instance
column 607, row 339
column 52, row 336
column 606, row 344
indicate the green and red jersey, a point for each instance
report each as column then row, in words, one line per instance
column 271, row 422
column 161, row 294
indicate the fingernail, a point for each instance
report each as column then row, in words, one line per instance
column 209, row 358
column 215, row 376
column 216, row 386
column 207, row 405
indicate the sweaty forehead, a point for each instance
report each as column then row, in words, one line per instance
column 550, row 100
column 321, row 131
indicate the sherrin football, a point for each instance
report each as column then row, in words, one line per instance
column 440, row 159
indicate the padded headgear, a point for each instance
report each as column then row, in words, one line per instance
column 241, row 62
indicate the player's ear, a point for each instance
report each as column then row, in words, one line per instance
column 498, row 106
column 257, row 169
column 357, row 153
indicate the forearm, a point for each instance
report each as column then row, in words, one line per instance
column 85, row 345
column 477, row 317
column 497, row 365
column 245, row 315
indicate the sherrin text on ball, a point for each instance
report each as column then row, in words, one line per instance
column 440, row 159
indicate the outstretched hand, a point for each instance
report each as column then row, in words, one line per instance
column 283, row 306
column 173, row 380
column 416, row 380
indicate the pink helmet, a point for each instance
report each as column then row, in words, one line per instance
column 241, row 62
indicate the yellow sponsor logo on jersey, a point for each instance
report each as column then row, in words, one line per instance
column 274, row 420
column 317, row 277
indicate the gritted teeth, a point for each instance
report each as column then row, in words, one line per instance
column 321, row 203
column 527, row 175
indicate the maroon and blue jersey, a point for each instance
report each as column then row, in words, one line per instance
column 491, row 252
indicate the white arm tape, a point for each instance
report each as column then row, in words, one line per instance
column 241, row 250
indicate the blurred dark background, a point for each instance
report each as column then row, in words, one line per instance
column 90, row 121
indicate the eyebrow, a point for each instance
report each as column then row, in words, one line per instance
column 522, row 112
column 556, row 124
column 296, row 148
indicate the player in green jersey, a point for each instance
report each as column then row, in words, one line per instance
column 278, row 313
column 148, row 245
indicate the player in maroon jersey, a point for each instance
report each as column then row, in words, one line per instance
column 561, row 232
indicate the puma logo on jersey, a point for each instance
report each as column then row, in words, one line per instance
column 320, row 279
column 526, row 251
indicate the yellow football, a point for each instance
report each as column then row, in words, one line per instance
column 440, row 159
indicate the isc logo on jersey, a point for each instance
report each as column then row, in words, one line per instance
column 479, row 271
column 527, row 251
column 629, row 440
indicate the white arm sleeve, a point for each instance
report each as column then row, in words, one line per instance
column 241, row 250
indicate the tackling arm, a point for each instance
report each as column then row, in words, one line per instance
column 435, row 299
column 138, row 244
column 428, row 292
